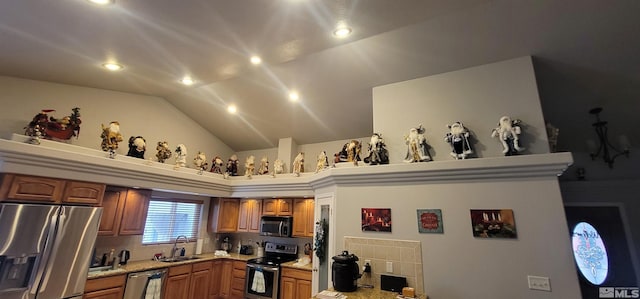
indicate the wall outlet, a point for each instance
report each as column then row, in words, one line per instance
column 539, row 283
column 389, row 267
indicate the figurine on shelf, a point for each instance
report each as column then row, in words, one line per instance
column 278, row 167
column 200, row 162
column 552, row 135
column 322, row 161
column 378, row 153
column 508, row 130
column 164, row 152
column 249, row 166
column 350, row 152
column 298, row 164
column 458, row 138
column 181, row 156
column 232, row 166
column 137, row 147
column 216, row 165
column 417, row 147
column 51, row 127
column 110, row 138
column 264, row 166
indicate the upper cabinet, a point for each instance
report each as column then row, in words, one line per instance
column 303, row 215
column 277, row 207
column 249, row 215
column 124, row 211
column 223, row 215
column 25, row 188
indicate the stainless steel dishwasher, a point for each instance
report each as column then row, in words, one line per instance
column 137, row 283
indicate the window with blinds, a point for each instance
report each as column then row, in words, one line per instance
column 168, row 219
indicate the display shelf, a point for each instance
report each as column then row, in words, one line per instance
column 55, row 159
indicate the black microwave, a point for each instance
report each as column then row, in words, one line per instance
column 276, row 226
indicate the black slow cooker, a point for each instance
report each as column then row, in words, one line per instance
column 345, row 272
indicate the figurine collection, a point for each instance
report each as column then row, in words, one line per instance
column 458, row 137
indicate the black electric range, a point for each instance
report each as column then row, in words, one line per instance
column 263, row 273
column 276, row 254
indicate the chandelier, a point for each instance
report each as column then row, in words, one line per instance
column 609, row 152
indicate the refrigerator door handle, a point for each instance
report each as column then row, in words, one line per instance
column 54, row 250
column 46, row 253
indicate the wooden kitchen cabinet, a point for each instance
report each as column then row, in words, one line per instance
column 178, row 282
column 295, row 283
column 26, row 188
column 277, row 207
column 124, row 211
column 249, row 215
column 225, row 281
column 200, row 280
column 223, row 215
column 303, row 215
column 111, row 287
column 238, row 280
column 216, row 279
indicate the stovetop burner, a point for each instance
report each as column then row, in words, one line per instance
column 276, row 254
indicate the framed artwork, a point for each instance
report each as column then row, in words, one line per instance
column 376, row 220
column 493, row 224
column 430, row 221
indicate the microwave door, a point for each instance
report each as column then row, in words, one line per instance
column 24, row 230
column 65, row 272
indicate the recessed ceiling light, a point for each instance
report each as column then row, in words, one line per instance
column 102, row 2
column 294, row 96
column 187, row 81
column 256, row 60
column 342, row 32
column 232, row 109
column 112, row 66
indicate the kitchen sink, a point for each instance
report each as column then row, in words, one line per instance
column 179, row 259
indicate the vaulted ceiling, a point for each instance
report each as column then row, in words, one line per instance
column 585, row 55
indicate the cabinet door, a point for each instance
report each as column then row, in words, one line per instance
column 83, row 193
column 112, row 205
column 270, row 207
column 277, row 207
column 311, row 224
column 177, row 287
column 113, row 293
column 223, row 215
column 200, row 282
column 303, row 288
column 256, row 213
column 225, row 282
column 35, row 189
column 288, row 288
column 285, row 207
column 216, row 280
column 134, row 214
column 303, row 217
column 244, row 215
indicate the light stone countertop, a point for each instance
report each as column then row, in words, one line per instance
column 364, row 293
column 139, row 266
column 292, row 264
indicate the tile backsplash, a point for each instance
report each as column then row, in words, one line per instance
column 406, row 257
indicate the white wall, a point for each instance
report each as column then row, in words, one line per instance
column 455, row 264
column 151, row 117
column 476, row 96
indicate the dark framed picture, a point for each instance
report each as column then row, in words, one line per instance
column 493, row 224
column 430, row 221
column 376, row 220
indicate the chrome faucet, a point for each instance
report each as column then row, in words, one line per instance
column 175, row 244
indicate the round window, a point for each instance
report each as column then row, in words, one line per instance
column 590, row 253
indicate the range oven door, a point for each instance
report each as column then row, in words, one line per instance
column 262, row 281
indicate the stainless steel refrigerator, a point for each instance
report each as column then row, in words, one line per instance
column 45, row 250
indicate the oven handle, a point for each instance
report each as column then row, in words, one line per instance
column 273, row 269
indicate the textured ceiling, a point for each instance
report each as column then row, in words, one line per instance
column 585, row 55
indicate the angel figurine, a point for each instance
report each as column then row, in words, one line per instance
column 249, row 166
column 458, row 138
column 417, row 147
column 322, row 161
column 508, row 130
column 298, row 164
column 110, row 138
column 278, row 167
column 264, row 166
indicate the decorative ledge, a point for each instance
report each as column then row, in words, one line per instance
column 55, row 159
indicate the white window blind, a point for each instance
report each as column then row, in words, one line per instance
column 167, row 219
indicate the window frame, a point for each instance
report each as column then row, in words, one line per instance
column 197, row 225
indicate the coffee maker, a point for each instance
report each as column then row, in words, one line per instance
column 345, row 272
column 226, row 244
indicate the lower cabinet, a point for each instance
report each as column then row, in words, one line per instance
column 216, row 278
column 295, row 283
column 200, row 280
column 238, row 279
column 227, row 280
column 177, row 283
column 111, row 287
